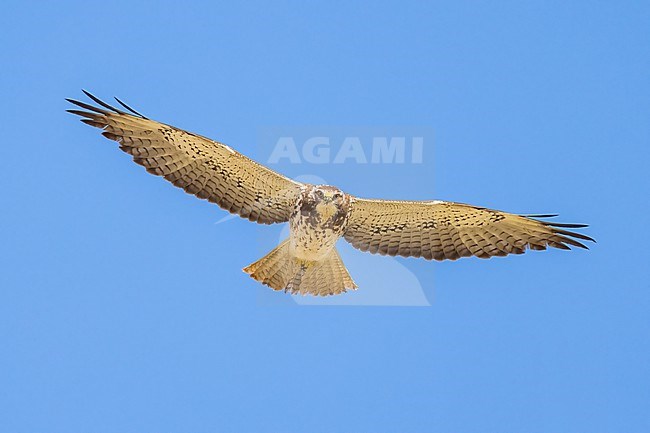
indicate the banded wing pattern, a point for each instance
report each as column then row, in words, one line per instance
column 206, row 168
column 442, row 230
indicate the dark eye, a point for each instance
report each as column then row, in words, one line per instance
column 337, row 196
column 319, row 193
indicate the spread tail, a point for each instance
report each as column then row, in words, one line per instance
column 281, row 271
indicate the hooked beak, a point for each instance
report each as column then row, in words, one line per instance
column 326, row 209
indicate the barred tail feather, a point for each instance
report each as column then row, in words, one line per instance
column 282, row 271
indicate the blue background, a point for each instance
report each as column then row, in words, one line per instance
column 124, row 309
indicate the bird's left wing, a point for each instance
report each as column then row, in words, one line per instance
column 208, row 169
column 445, row 230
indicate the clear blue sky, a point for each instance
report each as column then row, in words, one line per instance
column 123, row 307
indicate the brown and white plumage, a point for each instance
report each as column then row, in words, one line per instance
column 307, row 262
column 444, row 230
column 208, row 169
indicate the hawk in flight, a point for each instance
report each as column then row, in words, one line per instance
column 318, row 215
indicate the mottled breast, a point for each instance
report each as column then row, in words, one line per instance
column 319, row 219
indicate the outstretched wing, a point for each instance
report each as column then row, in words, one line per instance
column 444, row 230
column 208, row 169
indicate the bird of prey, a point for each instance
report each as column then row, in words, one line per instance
column 318, row 215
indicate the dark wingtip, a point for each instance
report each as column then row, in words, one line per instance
column 559, row 229
column 564, row 225
column 102, row 103
column 576, row 235
column 99, row 110
column 546, row 215
column 79, row 112
column 86, row 106
column 129, row 108
column 581, row 245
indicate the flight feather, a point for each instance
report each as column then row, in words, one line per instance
column 206, row 168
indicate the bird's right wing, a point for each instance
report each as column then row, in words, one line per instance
column 208, row 169
column 445, row 230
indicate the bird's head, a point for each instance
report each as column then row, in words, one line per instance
column 328, row 203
